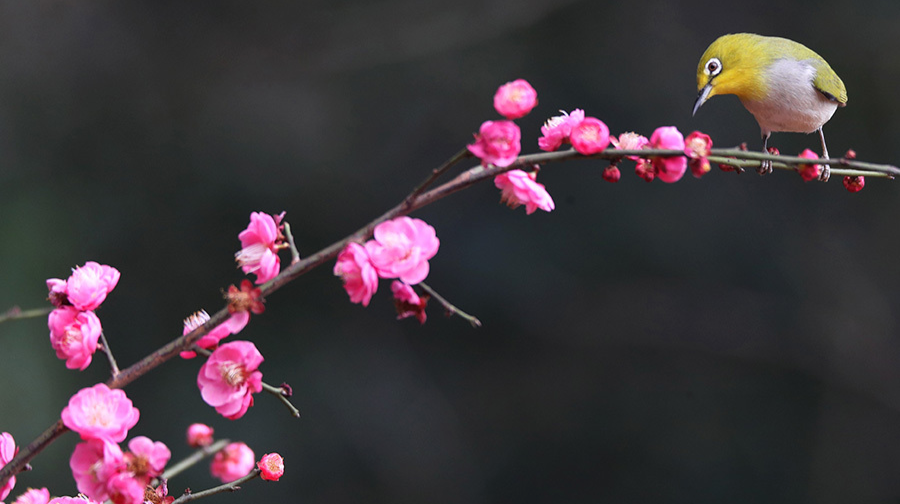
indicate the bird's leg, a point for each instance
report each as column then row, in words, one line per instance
column 826, row 169
column 765, row 166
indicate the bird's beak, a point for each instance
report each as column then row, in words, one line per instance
column 701, row 98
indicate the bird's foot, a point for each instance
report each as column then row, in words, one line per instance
column 765, row 167
column 825, row 174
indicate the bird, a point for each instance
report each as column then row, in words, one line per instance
column 784, row 84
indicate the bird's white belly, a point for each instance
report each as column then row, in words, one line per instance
column 792, row 103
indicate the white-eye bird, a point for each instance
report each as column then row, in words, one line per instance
column 784, row 84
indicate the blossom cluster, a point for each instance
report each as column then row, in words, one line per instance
column 399, row 249
column 74, row 327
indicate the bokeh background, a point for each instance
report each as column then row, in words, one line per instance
column 731, row 339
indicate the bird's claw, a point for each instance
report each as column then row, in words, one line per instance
column 826, row 173
column 765, row 167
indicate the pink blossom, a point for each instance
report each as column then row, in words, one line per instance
column 854, row 183
column 88, row 285
column 271, row 466
column 515, row 99
column 401, row 249
column 697, row 147
column 199, row 435
column 520, row 188
column 101, row 413
column 260, row 243
column 229, row 378
column 668, row 169
column 147, row 459
column 358, row 274
column 125, row 488
column 72, row 500
column 74, row 335
column 644, row 169
column 232, row 325
column 34, row 496
column 809, row 171
column 611, row 174
column 497, row 143
column 93, row 463
column 57, row 288
column 8, row 450
column 630, row 141
column 557, row 129
column 407, row 302
column 590, row 136
column 232, row 462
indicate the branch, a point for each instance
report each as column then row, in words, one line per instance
column 417, row 199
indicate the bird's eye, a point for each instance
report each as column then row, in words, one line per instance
column 713, row 66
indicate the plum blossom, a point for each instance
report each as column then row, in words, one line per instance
column 232, row 462
column 146, row 459
column 668, row 169
column 86, row 288
column 94, row 462
column 401, row 248
column 612, row 174
column 199, row 435
column 590, row 136
column 100, row 413
column 271, row 467
column 72, row 500
column 34, row 496
column 557, row 129
column 497, row 143
column 644, row 169
column 809, row 171
column 74, row 335
column 697, row 147
column 515, row 99
column 8, row 450
column 407, row 302
column 229, row 378
column 232, row 325
column 520, row 188
column 260, row 243
column 629, row 141
column 125, row 488
column 359, row 276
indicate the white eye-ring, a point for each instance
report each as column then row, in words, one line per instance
column 713, row 67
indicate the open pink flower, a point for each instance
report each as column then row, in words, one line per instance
column 557, row 129
column 497, row 143
column 125, row 488
column 407, row 302
column 260, row 243
column 146, row 459
column 515, row 99
column 520, row 188
column 88, row 285
column 232, row 462
column 8, row 450
column 697, row 147
column 271, row 467
column 34, row 496
column 232, row 325
column 199, row 435
column 358, row 274
column 100, row 413
column 590, row 136
column 74, row 335
column 72, row 500
column 630, row 141
column 668, row 169
column 401, row 249
column 229, row 378
column 809, row 171
column 93, row 463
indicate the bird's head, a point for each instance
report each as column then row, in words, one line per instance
column 733, row 64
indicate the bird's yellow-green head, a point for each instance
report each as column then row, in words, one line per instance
column 737, row 64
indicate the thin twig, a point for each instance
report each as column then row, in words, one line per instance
column 279, row 393
column 16, row 313
column 194, row 458
column 295, row 254
column 451, row 309
column 227, row 487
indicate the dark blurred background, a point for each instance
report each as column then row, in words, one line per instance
column 731, row 339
